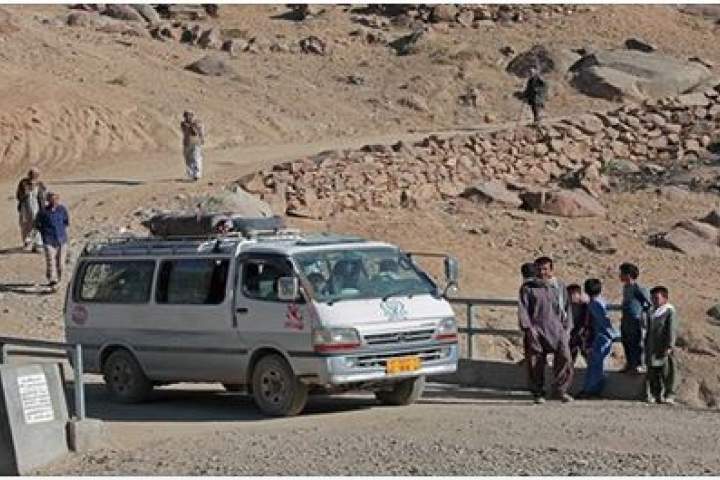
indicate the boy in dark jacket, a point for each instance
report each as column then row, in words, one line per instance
column 603, row 336
column 635, row 305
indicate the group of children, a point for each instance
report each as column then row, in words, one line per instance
column 592, row 335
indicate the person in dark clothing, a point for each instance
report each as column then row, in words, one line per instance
column 535, row 94
column 581, row 333
column 635, row 305
column 602, row 341
column 545, row 321
column 52, row 222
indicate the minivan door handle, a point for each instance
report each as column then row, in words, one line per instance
column 241, row 310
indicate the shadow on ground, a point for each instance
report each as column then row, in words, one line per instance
column 205, row 405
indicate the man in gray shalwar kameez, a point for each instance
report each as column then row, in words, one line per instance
column 193, row 139
column 546, row 320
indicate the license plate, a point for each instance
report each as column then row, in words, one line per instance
column 403, row 364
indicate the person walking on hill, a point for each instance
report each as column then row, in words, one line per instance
column 545, row 319
column 30, row 196
column 193, row 134
column 53, row 222
column 535, row 94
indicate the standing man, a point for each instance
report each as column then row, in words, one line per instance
column 193, row 139
column 545, row 319
column 535, row 94
column 635, row 305
column 52, row 223
column 30, row 197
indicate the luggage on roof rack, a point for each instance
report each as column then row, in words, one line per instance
column 173, row 225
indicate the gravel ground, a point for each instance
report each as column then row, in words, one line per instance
column 439, row 436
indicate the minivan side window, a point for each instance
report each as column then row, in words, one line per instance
column 197, row 281
column 121, row 281
column 260, row 279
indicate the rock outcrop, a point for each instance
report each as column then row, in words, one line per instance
column 667, row 132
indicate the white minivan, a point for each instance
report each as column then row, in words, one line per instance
column 280, row 315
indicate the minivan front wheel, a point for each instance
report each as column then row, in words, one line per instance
column 124, row 379
column 276, row 390
column 404, row 392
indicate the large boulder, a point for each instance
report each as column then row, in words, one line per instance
column 86, row 19
column 444, row 13
column 537, row 57
column 407, row 44
column 688, row 241
column 237, row 202
column 149, row 13
column 492, row 192
column 563, row 203
column 211, row 39
column 123, row 12
column 636, row 75
column 210, row 65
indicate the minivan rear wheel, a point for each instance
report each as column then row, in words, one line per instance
column 404, row 392
column 276, row 390
column 124, row 379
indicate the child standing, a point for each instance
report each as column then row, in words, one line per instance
column 580, row 335
column 602, row 340
column 635, row 304
column 661, row 379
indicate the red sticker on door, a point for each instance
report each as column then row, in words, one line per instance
column 294, row 318
column 79, row 314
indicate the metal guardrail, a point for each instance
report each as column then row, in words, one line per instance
column 74, row 349
column 470, row 302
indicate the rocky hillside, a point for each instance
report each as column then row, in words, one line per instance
column 93, row 86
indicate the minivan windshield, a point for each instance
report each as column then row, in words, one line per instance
column 337, row 275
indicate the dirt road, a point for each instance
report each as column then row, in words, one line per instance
column 204, row 431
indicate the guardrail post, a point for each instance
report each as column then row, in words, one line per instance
column 78, row 382
column 3, row 352
column 470, row 333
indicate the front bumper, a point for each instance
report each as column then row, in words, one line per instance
column 371, row 366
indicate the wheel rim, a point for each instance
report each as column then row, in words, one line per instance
column 121, row 377
column 273, row 386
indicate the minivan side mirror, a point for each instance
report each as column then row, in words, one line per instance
column 288, row 289
column 452, row 272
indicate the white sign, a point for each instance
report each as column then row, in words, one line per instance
column 35, row 398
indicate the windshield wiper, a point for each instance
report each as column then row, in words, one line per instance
column 396, row 294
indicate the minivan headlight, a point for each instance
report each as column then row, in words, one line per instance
column 447, row 330
column 331, row 339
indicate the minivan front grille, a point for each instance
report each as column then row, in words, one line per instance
column 399, row 337
column 380, row 359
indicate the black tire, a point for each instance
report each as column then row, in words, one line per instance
column 124, row 379
column 404, row 392
column 233, row 387
column 276, row 390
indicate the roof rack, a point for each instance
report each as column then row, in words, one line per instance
column 184, row 243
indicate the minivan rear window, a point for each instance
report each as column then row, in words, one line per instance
column 122, row 281
column 192, row 281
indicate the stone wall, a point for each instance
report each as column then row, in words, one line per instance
column 655, row 135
